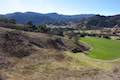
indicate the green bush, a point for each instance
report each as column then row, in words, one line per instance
column 107, row 37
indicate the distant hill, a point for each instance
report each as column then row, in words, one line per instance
column 99, row 21
column 50, row 18
column 87, row 20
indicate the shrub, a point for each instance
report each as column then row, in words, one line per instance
column 76, row 50
column 118, row 38
column 16, row 44
column 83, row 35
column 107, row 37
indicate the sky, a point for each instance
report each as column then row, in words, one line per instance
column 68, row 7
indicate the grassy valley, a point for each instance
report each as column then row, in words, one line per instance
column 102, row 48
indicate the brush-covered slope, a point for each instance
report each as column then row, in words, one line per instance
column 48, row 61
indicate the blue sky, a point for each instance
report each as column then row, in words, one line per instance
column 70, row 7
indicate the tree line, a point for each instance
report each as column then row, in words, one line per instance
column 29, row 26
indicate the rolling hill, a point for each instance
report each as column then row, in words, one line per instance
column 100, row 21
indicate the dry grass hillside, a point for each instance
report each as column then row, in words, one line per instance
column 38, row 56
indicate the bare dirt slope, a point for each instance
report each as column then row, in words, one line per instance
column 51, row 60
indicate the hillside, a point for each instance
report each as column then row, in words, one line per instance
column 100, row 21
column 40, row 60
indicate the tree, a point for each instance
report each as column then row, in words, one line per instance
column 30, row 23
column 5, row 20
column 12, row 21
column 34, row 27
column 31, row 26
column 43, row 28
column 107, row 37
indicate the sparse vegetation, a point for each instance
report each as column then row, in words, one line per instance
column 47, row 62
column 16, row 44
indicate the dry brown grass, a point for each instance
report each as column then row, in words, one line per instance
column 52, row 64
column 15, row 43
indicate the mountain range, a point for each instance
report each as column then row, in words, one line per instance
column 49, row 18
column 89, row 20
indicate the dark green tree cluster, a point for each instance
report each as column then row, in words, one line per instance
column 36, row 28
column 5, row 20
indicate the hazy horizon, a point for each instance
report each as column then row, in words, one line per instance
column 66, row 7
column 59, row 13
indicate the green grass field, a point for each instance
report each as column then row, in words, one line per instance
column 103, row 48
